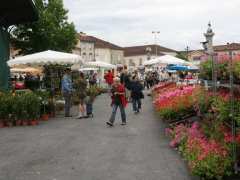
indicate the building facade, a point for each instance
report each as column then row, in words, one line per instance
column 222, row 51
column 135, row 56
column 95, row 49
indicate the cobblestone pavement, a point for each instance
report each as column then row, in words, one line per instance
column 71, row 149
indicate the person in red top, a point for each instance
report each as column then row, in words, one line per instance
column 109, row 78
column 118, row 100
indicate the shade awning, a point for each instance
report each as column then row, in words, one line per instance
column 17, row 11
column 46, row 58
column 100, row 64
column 166, row 59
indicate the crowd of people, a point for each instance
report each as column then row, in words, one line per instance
column 123, row 88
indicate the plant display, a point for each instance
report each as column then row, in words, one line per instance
column 222, row 67
column 19, row 108
column 177, row 102
column 206, row 157
column 206, row 145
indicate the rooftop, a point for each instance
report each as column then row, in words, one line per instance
column 99, row 43
column 218, row 48
column 141, row 50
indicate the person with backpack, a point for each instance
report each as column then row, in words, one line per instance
column 136, row 94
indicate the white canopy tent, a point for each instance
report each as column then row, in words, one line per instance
column 151, row 62
column 46, row 58
column 101, row 67
column 100, row 64
column 26, row 70
column 88, row 69
column 166, row 59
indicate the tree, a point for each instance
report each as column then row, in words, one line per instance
column 182, row 56
column 51, row 32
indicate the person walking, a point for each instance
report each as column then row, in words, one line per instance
column 109, row 78
column 125, row 79
column 92, row 78
column 81, row 91
column 67, row 91
column 118, row 101
column 136, row 94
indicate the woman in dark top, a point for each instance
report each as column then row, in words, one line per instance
column 136, row 94
column 81, row 91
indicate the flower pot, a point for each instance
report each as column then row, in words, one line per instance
column 33, row 123
column 52, row 114
column 9, row 124
column 24, row 122
column 18, row 122
column 45, row 117
column 1, row 124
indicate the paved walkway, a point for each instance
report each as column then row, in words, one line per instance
column 70, row 149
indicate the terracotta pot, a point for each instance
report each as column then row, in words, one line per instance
column 1, row 124
column 45, row 117
column 24, row 122
column 33, row 123
column 9, row 124
column 18, row 123
column 52, row 114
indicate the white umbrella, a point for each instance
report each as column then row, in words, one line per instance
column 88, row 69
column 46, row 58
column 28, row 69
column 167, row 59
column 151, row 62
column 100, row 64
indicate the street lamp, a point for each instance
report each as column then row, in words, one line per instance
column 148, row 50
column 155, row 33
column 187, row 50
column 208, row 47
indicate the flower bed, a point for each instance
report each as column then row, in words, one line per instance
column 207, row 157
column 205, row 145
column 179, row 101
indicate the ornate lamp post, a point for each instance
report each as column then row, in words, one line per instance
column 155, row 40
column 187, row 50
column 148, row 50
column 208, row 47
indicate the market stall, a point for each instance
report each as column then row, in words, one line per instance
column 102, row 66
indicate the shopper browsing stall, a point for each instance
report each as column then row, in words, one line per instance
column 67, row 91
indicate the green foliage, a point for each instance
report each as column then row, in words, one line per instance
column 168, row 114
column 206, row 70
column 92, row 91
column 51, row 31
column 182, row 56
column 23, row 106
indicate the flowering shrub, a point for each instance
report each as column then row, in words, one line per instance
column 222, row 69
column 162, row 87
column 176, row 102
column 206, row 157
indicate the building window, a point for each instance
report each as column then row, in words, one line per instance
column 131, row 63
column 140, row 61
column 90, row 56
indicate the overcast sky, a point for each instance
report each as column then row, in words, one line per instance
column 181, row 22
